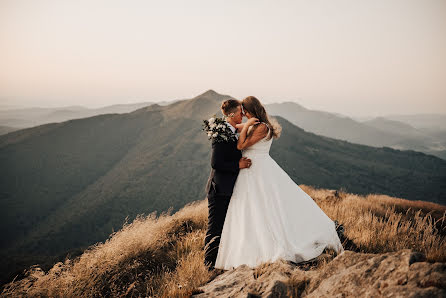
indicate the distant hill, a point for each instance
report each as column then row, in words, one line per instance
column 68, row 185
column 427, row 140
column 393, row 126
column 377, row 132
column 437, row 121
column 28, row 117
column 6, row 129
column 331, row 125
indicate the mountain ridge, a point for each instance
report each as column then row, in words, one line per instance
column 376, row 132
column 70, row 184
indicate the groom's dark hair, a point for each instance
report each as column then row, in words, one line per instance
column 229, row 106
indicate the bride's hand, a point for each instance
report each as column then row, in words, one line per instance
column 252, row 121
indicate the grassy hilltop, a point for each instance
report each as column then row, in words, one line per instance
column 163, row 256
column 68, row 185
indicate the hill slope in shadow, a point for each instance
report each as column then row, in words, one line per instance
column 68, row 185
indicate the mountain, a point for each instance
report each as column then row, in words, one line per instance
column 393, row 126
column 70, row 184
column 331, row 125
column 377, row 132
column 28, row 117
column 431, row 141
column 6, row 129
column 437, row 121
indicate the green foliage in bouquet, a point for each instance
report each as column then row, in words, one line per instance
column 217, row 130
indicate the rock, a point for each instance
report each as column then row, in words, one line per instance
column 416, row 257
column 387, row 274
column 267, row 280
column 395, row 274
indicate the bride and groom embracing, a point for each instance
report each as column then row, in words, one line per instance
column 256, row 211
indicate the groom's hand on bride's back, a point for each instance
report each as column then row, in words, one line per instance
column 244, row 162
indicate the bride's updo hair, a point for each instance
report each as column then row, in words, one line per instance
column 253, row 106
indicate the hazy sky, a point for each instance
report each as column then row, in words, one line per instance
column 353, row 57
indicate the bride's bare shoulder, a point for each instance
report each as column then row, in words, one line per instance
column 260, row 128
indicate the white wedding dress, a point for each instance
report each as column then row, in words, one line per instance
column 271, row 217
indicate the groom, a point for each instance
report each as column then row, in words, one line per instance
column 226, row 162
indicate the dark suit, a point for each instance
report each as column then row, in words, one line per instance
column 225, row 168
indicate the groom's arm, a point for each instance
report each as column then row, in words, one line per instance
column 218, row 161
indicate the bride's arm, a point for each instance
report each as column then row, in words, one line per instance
column 240, row 126
column 259, row 132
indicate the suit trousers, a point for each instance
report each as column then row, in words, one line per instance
column 218, row 206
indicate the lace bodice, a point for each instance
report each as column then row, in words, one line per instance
column 261, row 147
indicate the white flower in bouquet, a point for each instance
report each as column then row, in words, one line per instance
column 217, row 130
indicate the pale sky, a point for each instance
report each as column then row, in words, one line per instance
column 352, row 57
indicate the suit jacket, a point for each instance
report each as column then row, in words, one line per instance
column 225, row 168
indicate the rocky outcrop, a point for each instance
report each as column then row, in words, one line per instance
column 395, row 274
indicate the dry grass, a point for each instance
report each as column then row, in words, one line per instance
column 149, row 257
column 163, row 256
column 379, row 223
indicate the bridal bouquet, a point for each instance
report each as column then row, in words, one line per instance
column 217, row 130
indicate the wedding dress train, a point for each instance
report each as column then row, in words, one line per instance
column 271, row 217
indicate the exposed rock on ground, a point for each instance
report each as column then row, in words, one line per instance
column 395, row 274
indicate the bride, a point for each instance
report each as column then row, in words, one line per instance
column 269, row 216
